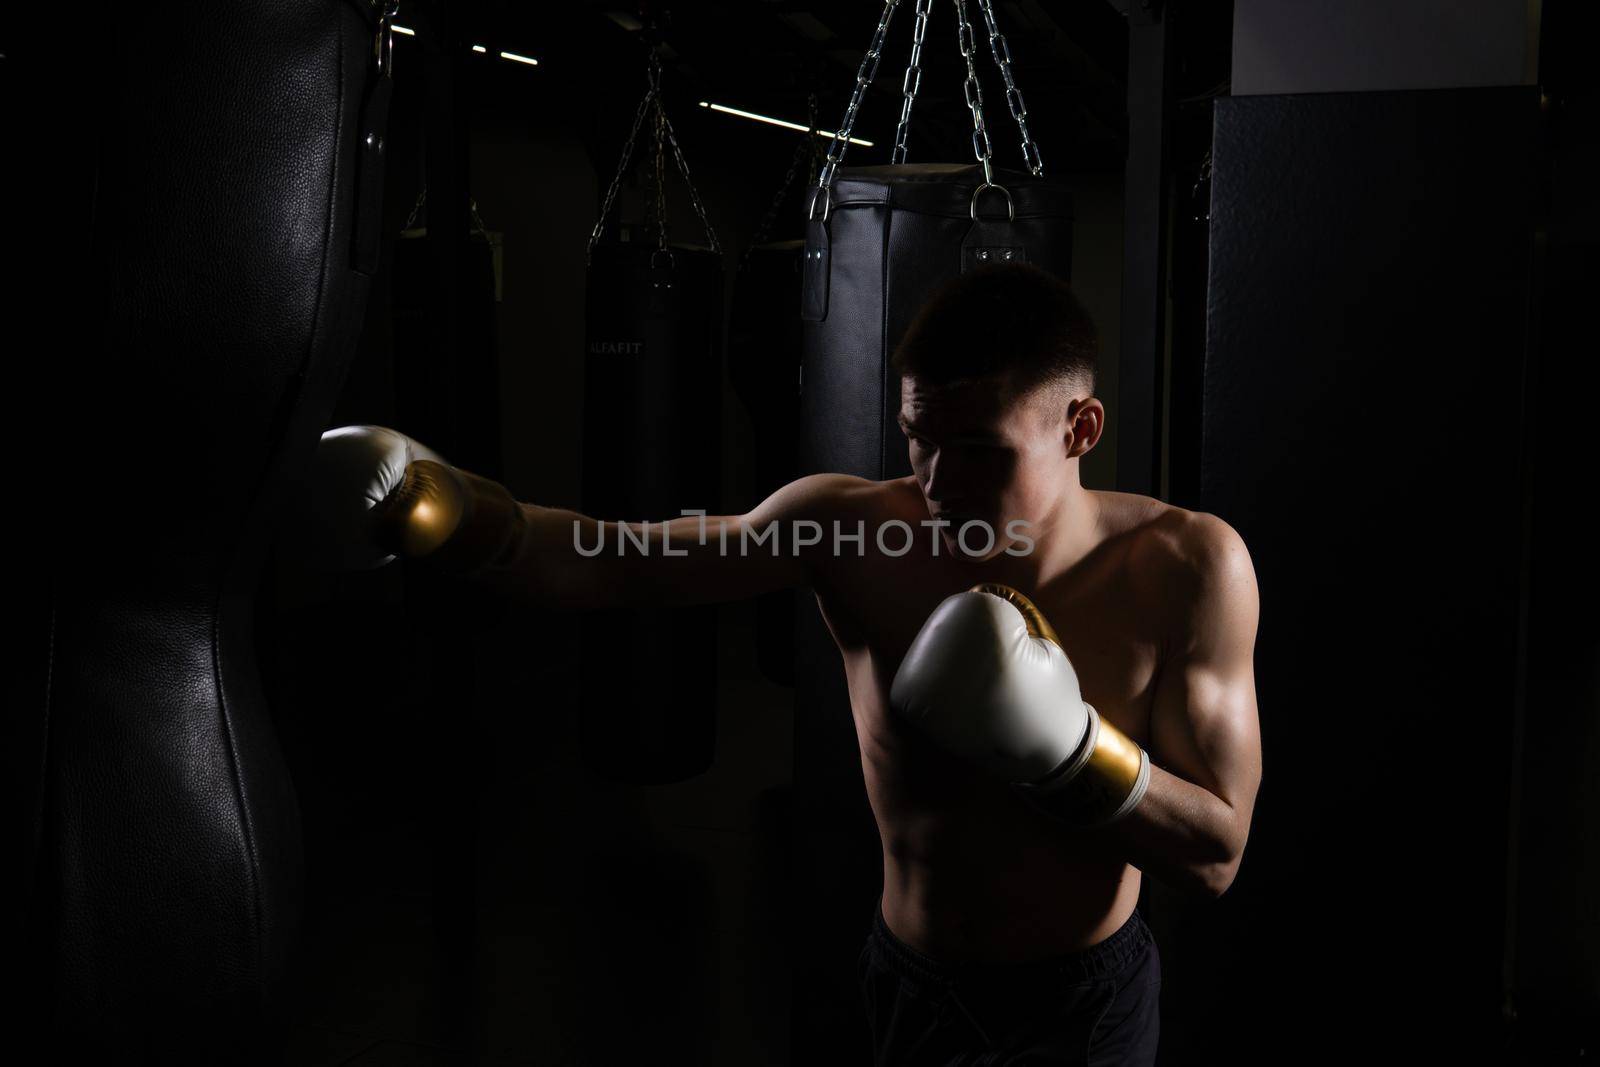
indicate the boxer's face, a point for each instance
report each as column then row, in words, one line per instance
column 981, row 454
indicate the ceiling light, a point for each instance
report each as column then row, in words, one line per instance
column 777, row 122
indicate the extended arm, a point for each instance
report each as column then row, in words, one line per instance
column 372, row 494
column 566, row 559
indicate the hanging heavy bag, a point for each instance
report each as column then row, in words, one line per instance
column 880, row 239
column 652, row 426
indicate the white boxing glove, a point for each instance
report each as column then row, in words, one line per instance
column 987, row 680
column 373, row 494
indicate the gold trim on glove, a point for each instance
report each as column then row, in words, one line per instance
column 1038, row 625
column 1107, row 777
column 456, row 519
column 424, row 510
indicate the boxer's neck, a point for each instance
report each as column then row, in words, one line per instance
column 1062, row 538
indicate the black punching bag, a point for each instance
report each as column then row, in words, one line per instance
column 880, row 241
column 224, row 197
column 652, row 422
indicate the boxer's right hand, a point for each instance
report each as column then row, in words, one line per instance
column 988, row 680
column 373, row 493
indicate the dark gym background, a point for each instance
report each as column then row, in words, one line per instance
column 476, row 887
column 1341, row 255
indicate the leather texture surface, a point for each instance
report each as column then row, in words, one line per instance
column 651, row 447
column 894, row 235
column 219, row 301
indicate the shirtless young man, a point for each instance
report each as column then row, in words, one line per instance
column 1007, row 928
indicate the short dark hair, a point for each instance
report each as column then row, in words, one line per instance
column 1011, row 319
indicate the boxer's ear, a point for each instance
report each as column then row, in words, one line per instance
column 1086, row 421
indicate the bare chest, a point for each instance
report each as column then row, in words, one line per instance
column 1112, row 636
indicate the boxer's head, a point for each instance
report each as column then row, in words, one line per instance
column 997, row 400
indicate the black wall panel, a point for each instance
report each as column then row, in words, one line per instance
column 1363, row 427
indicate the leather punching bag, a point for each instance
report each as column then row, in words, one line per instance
column 652, row 426
column 651, row 449
column 890, row 237
column 229, row 241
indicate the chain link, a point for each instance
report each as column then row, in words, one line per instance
column 912, row 81
column 622, row 168
column 660, row 167
column 981, row 146
column 411, row 218
column 806, row 150
column 1019, row 111
column 383, row 40
column 864, row 76
column 972, row 89
column 664, row 136
column 694, row 197
column 422, row 201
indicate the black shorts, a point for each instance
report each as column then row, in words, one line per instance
column 1097, row 1006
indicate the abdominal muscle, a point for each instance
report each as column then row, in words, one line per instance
column 970, row 872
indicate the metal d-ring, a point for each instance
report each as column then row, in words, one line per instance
column 672, row 264
column 1011, row 208
column 827, row 204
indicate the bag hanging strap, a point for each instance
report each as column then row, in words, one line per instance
column 372, row 155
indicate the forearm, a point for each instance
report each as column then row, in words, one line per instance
column 564, row 559
column 1179, row 833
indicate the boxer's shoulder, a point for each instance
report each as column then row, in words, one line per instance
column 817, row 498
column 849, row 499
column 1187, row 555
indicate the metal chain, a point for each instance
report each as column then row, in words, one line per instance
column 422, row 200
column 818, row 156
column 806, row 150
column 974, row 94
column 864, row 76
column 383, row 40
column 1019, row 111
column 912, row 81
column 1203, row 177
column 683, row 168
column 421, row 197
column 622, row 168
column 663, row 135
column 661, row 181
